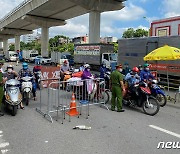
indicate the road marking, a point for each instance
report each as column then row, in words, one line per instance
column 165, row 131
column 3, row 144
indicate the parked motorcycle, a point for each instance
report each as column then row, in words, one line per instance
column 26, row 89
column 158, row 93
column 141, row 97
column 38, row 79
column 12, row 95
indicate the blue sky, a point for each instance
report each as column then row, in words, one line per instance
column 112, row 23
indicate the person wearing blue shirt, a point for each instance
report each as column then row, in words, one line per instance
column 133, row 77
column 145, row 74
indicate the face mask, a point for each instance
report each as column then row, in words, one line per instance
column 104, row 65
column 9, row 70
column 147, row 69
column 120, row 70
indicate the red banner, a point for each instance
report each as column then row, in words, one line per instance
column 165, row 67
column 49, row 74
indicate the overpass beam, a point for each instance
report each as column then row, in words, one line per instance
column 44, row 41
column 17, row 43
column 94, row 26
column 5, row 45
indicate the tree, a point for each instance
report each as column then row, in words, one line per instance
column 11, row 47
column 131, row 33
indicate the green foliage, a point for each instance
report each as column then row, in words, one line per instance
column 131, row 33
column 11, row 47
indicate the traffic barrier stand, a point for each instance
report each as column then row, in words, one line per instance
column 72, row 111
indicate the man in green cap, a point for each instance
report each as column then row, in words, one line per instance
column 1, row 86
column 118, row 89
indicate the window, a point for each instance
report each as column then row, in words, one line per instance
column 106, row 56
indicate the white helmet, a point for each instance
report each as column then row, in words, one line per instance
column 10, row 66
column 86, row 66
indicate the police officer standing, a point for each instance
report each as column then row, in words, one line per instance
column 118, row 89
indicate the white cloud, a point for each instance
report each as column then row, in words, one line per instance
column 170, row 8
column 7, row 6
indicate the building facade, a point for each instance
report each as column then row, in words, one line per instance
column 166, row 27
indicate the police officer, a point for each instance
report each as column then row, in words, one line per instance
column 1, row 86
column 118, row 89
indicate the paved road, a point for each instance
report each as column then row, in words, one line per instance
column 112, row 132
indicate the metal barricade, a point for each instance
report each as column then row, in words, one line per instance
column 91, row 91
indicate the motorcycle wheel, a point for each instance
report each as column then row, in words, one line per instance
column 26, row 99
column 161, row 99
column 104, row 97
column 153, row 107
column 14, row 110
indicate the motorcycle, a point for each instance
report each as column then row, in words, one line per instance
column 12, row 95
column 38, row 79
column 158, row 93
column 26, row 89
column 140, row 95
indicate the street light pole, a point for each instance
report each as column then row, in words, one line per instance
column 147, row 19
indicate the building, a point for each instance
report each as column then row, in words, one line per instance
column 166, row 27
column 110, row 39
column 80, row 40
column 29, row 38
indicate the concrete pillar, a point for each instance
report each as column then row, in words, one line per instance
column 1, row 45
column 44, row 41
column 94, row 27
column 17, row 42
column 5, row 45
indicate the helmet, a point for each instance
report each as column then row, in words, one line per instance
column 146, row 65
column 86, row 66
column 25, row 66
column 126, row 63
column 140, row 66
column 135, row 69
column 10, row 66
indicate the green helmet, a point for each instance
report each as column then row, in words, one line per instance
column 146, row 65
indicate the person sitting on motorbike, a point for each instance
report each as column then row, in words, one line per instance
column 86, row 73
column 37, row 68
column 64, row 68
column 133, row 78
column 25, row 71
column 11, row 74
column 103, row 75
column 127, row 69
column 146, row 74
column 140, row 67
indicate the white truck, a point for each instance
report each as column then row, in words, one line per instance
column 29, row 55
column 57, row 58
column 11, row 56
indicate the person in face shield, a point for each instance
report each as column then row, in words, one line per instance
column 118, row 89
column 145, row 74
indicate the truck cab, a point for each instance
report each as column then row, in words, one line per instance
column 110, row 60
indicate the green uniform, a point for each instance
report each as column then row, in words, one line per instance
column 115, row 78
column 1, row 89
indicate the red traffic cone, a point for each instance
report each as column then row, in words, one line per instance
column 73, row 111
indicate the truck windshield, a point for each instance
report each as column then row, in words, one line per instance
column 33, row 55
column 113, row 57
column 13, row 55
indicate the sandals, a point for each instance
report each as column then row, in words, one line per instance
column 22, row 107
